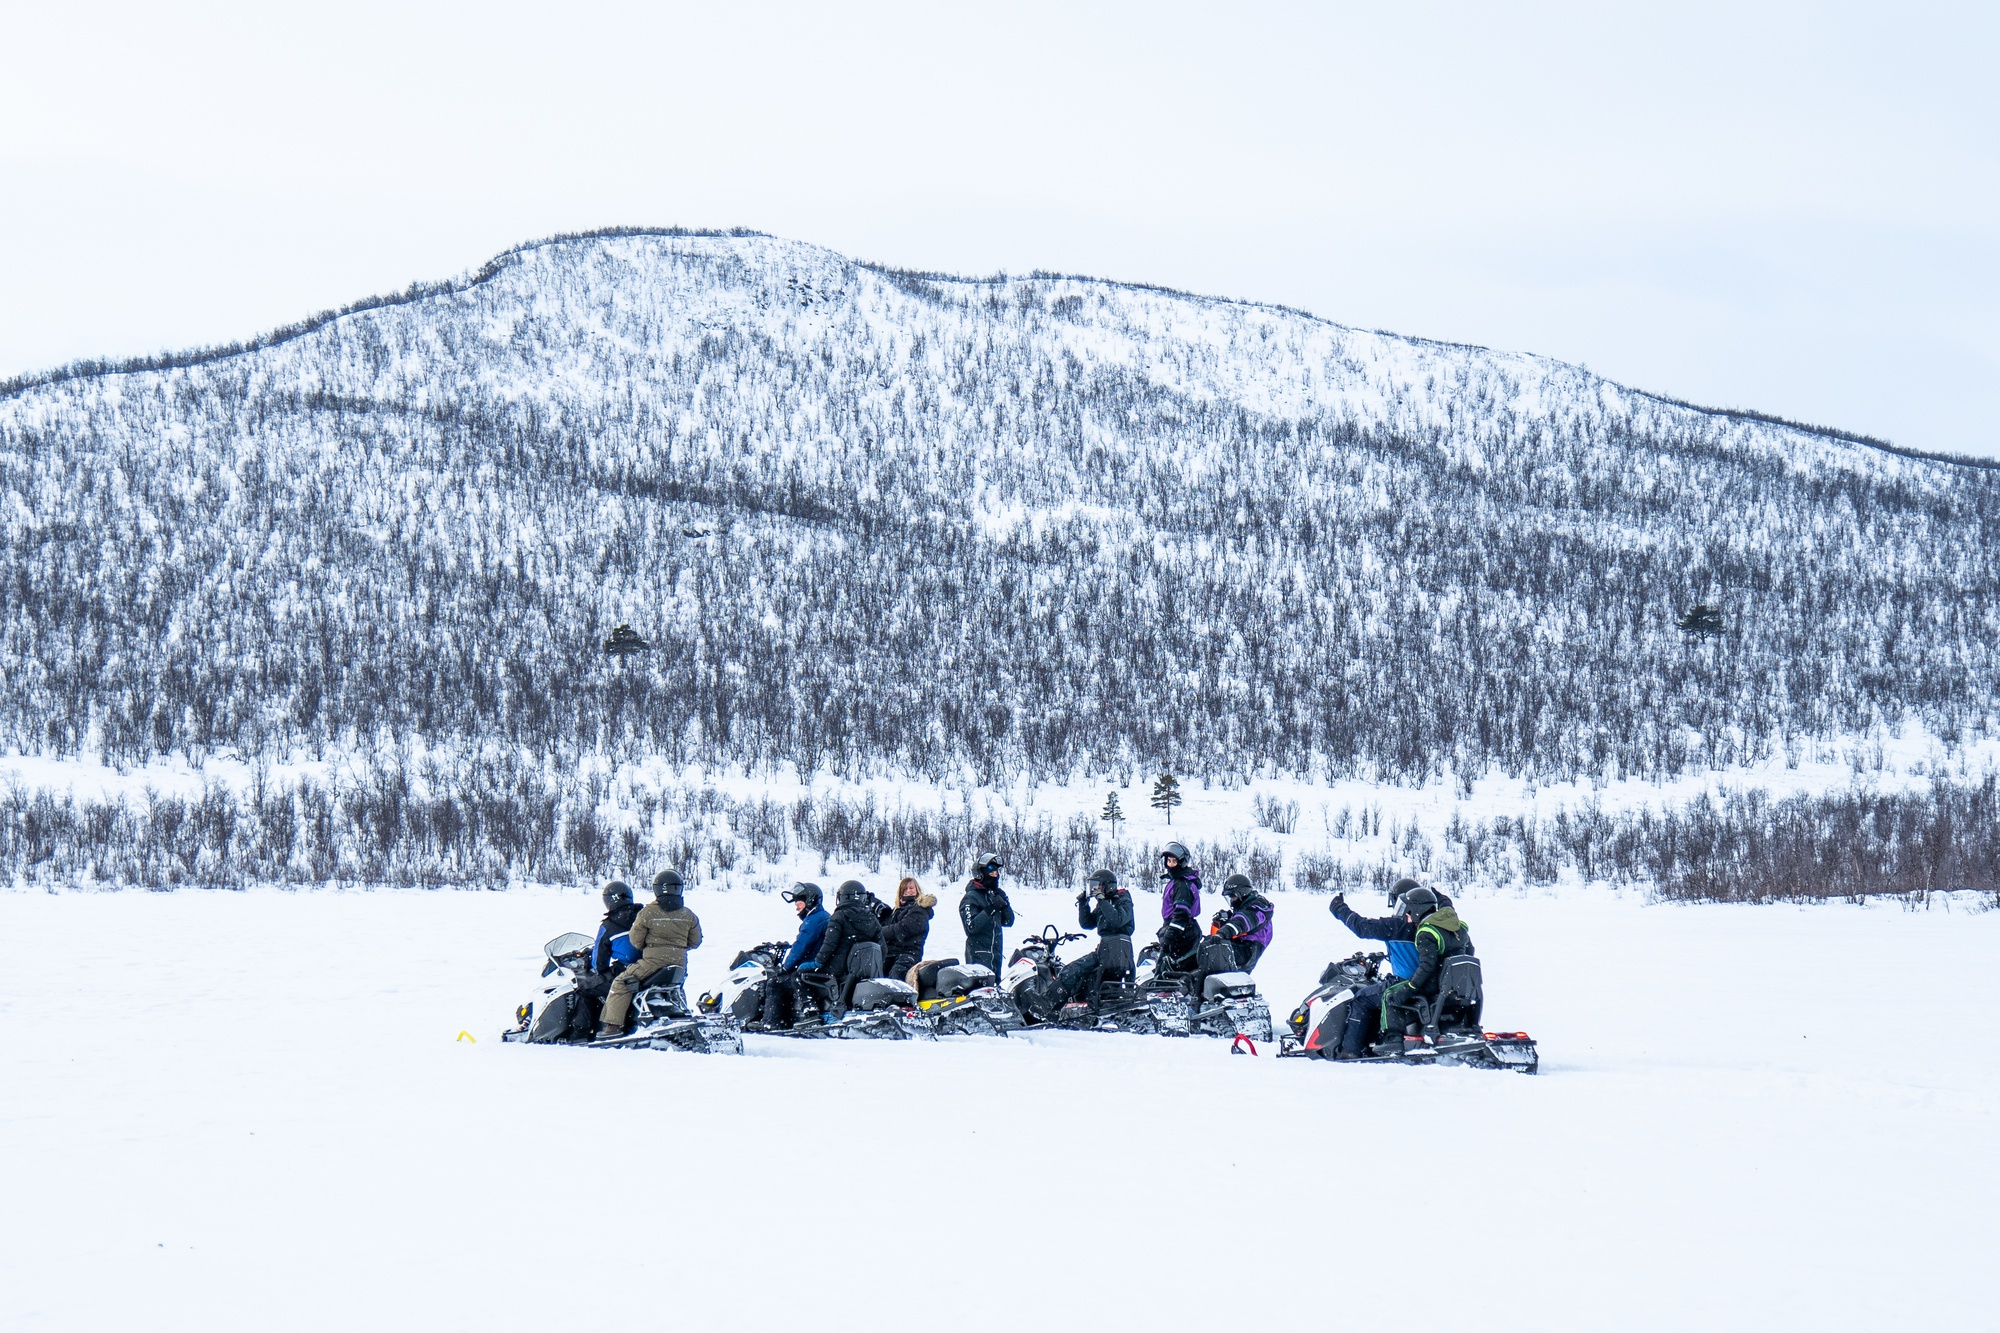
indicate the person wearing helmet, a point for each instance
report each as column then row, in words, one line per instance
column 907, row 927
column 781, row 993
column 614, row 943
column 854, row 922
column 1180, row 893
column 985, row 912
column 1245, row 923
column 1438, row 934
column 662, row 933
column 1106, row 909
column 1399, row 934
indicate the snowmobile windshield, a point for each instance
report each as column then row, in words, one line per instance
column 563, row 945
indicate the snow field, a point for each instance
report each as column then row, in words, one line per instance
column 235, row 1110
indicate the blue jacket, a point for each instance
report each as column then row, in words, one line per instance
column 1394, row 931
column 614, row 941
column 806, row 946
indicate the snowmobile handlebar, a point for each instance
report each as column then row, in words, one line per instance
column 1053, row 937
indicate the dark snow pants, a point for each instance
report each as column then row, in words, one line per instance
column 781, row 1000
column 1362, row 1012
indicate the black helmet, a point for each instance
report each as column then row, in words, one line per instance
column 1237, row 886
column 616, row 893
column 986, row 863
column 1175, row 850
column 1103, row 881
column 1420, row 902
column 667, row 881
column 1398, row 889
column 808, row 894
column 850, row 891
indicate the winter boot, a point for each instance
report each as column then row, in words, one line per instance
column 606, row 1031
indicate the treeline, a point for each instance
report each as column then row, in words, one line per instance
column 495, row 824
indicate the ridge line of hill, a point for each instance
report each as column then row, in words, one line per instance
column 92, row 368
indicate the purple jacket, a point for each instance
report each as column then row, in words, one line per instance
column 1251, row 921
column 1182, row 889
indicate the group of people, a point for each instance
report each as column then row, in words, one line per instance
column 635, row 942
column 1422, row 930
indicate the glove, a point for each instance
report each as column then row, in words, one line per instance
column 1218, row 918
column 1082, row 898
column 813, row 966
column 1339, row 901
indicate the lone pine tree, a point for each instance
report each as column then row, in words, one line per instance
column 1112, row 815
column 1167, row 795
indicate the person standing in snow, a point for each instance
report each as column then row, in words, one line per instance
column 781, row 993
column 985, row 912
column 907, row 928
column 662, row 933
column 1246, row 922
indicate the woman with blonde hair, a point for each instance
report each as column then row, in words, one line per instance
column 908, row 926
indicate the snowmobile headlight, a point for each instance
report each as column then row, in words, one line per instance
column 521, row 1012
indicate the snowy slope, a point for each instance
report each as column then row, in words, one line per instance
column 884, row 525
column 293, row 1136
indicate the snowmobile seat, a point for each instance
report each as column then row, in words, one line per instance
column 880, row 992
column 958, row 979
column 1219, row 985
column 671, row 975
column 1460, row 997
column 924, row 976
column 1213, row 954
column 864, row 960
column 1114, row 957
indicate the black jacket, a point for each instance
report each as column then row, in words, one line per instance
column 908, row 927
column 852, row 924
column 984, row 911
column 616, row 922
column 1109, row 915
column 1440, row 936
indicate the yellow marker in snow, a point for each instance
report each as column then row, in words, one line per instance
column 463, row 1035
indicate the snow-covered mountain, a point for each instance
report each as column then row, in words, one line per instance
column 881, row 521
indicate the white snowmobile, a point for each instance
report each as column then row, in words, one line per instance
column 881, row 1008
column 661, row 1018
column 1222, row 1000
column 1451, row 1029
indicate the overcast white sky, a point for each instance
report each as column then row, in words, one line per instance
column 1788, row 207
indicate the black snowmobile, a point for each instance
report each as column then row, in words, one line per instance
column 1451, row 1029
column 1222, row 1000
column 661, row 1019
column 880, row 1008
column 1124, row 1004
column 964, row 1000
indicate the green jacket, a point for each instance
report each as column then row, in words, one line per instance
column 1439, row 936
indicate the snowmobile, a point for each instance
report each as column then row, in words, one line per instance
column 882, row 1008
column 1451, row 1031
column 1222, row 999
column 962, row 1000
column 661, row 1019
column 1124, row 1004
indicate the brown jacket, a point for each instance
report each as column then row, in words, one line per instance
column 665, row 937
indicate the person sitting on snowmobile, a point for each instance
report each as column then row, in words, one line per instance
column 984, row 912
column 781, row 993
column 1246, row 922
column 854, row 922
column 1438, row 934
column 662, row 932
column 907, row 927
column 614, row 943
column 1399, row 934
column 1112, row 916
column 1181, row 894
